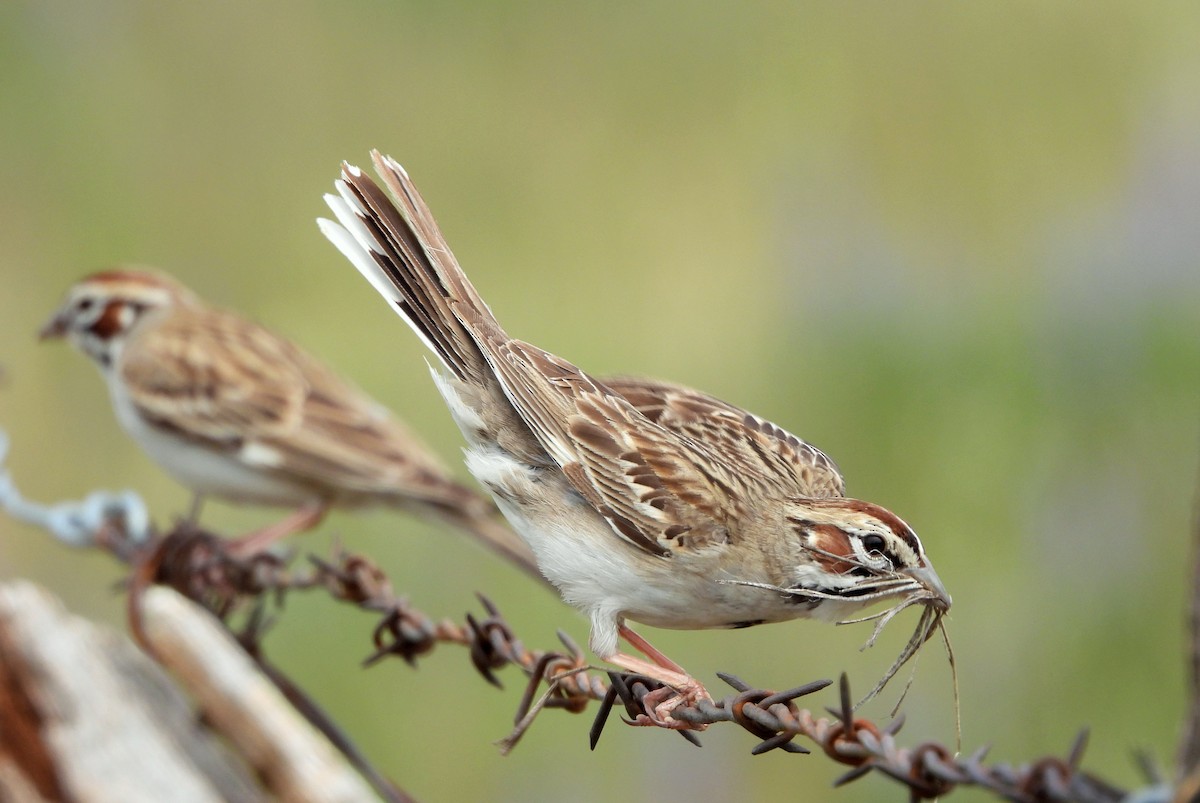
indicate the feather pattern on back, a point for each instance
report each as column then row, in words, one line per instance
column 754, row 445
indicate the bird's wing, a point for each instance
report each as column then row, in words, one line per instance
column 230, row 385
column 752, row 445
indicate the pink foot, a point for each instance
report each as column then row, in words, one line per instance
column 662, row 702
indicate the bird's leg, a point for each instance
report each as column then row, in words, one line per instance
column 647, row 649
column 681, row 688
column 302, row 518
column 193, row 516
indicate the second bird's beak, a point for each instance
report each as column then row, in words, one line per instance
column 927, row 577
column 54, row 328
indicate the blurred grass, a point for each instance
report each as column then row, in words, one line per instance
column 953, row 244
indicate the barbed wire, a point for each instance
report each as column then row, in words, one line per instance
column 195, row 563
column 199, row 565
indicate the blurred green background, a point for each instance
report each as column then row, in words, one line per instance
column 954, row 244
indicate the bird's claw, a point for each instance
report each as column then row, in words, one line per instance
column 660, row 703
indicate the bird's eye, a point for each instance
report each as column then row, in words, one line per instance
column 83, row 304
column 873, row 543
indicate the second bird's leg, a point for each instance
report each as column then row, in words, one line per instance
column 193, row 515
column 302, row 518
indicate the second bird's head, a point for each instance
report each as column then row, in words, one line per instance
column 101, row 312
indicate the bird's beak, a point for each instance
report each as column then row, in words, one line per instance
column 54, row 328
column 927, row 577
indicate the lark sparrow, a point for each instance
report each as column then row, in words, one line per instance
column 232, row 410
column 641, row 500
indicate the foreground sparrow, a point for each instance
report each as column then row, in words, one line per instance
column 641, row 500
column 233, row 410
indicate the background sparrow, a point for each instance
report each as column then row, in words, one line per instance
column 640, row 500
column 233, row 410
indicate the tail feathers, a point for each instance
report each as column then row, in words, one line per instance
column 399, row 249
column 428, row 232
